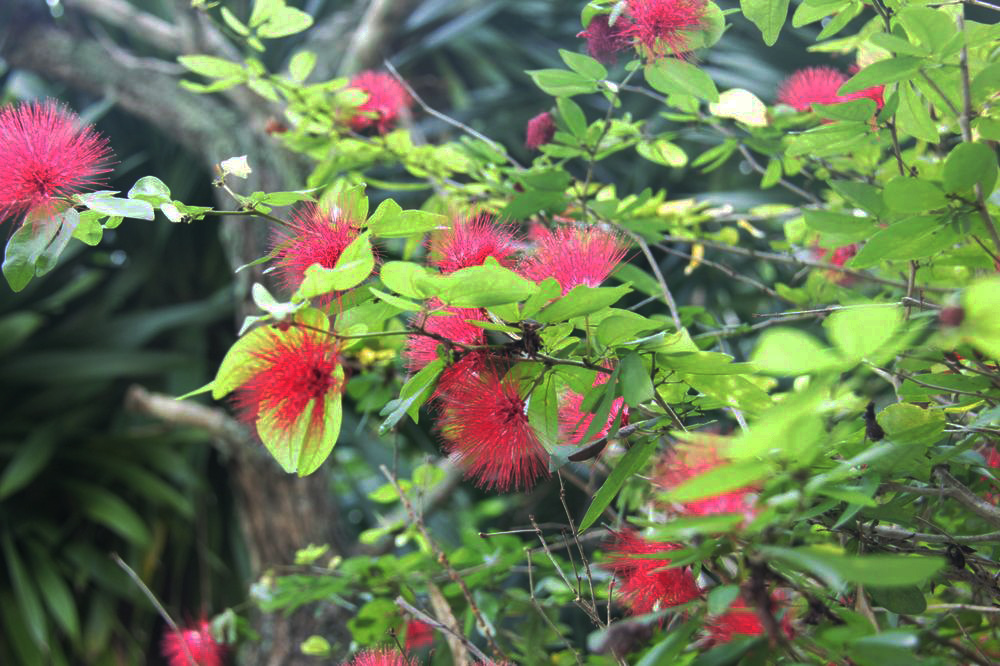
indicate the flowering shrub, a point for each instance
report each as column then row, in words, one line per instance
column 805, row 484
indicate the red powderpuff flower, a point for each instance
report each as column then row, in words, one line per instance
column 737, row 621
column 422, row 349
column 604, row 41
column 693, row 460
column 811, row 85
column 574, row 422
column 469, row 241
column 540, row 130
column 484, row 423
column 418, row 635
column 181, row 646
column 574, row 256
column 386, row 100
column 292, row 370
column 45, row 156
column 645, row 585
column 314, row 235
column 384, row 657
column 840, row 257
column 664, row 26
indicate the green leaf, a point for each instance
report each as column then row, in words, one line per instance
column 768, row 15
column 572, row 115
column 913, row 116
column 238, row 364
column 855, row 109
column 34, row 249
column 396, row 301
column 89, row 229
column 352, row 267
column 264, row 10
column 151, row 190
column 673, row 76
column 741, row 105
column 732, row 391
column 860, row 332
column 57, row 596
column 931, row 28
column 407, row 278
column 885, row 571
column 909, row 424
column 623, row 326
column 110, row 510
column 630, row 463
column 28, row 602
column 580, row 301
column 212, row 67
column 484, row 286
column 913, row 195
column 863, row 195
column 720, row 479
column 969, row 164
column 30, row 458
column 134, row 208
column 981, row 325
column 787, row 351
column 234, row 23
column 561, row 83
column 720, row 598
column 907, row 600
column 662, row 152
column 846, row 228
column 636, row 385
column 413, row 394
column 396, row 223
column 301, row 65
column 910, row 238
column 881, row 72
column 583, row 65
column 284, row 22
column 543, row 414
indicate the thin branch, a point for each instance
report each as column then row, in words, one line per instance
column 728, row 271
column 965, row 607
column 126, row 16
column 651, row 260
column 897, row 533
column 427, row 619
column 959, row 492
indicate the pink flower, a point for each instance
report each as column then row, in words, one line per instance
column 384, row 657
column 46, row 156
column 421, row 349
column 386, row 100
column 840, row 257
column 314, row 235
column 604, row 40
column 418, row 635
column 181, row 646
column 574, row 256
column 484, row 423
column 645, row 585
column 574, row 422
column 663, row 26
column 293, row 371
column 689, row 461
column 540, row 130
column 469, row 241
column 819, row 85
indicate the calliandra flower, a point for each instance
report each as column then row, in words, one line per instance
column 484, row 424
column 573, row 256
column 418, row 635
column 819, row 85
column 690, row 460
column 663, row 26
column 45, row 156
column 604, row 41
column 422, row 349
column 738, row 620
column 469, row 241
column 645, row 585
column 181, row 646
column 387, row 98
column 383, row 657
column 293, row 370
column 840, row 256
column 314, row 235
column 574, row 422
column 540, row 130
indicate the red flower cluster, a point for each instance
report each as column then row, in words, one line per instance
column 693, row 460
column 574, row 256
column 819, row 85
column 484, row 422
column 604, row 41
column 46, row 156
column 293, row 371
column 663, row 27
column 737, row 621
column 645, row 584
column 384, row 657
column 314, row 235
column 540, row 130
column 422, row 349
column 387, row 98
column 839, row 257
column 574, row 422
column 418, row 635
column 181, row 646
column 469, row 241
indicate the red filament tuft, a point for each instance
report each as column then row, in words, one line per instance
column 181, row 646
column 574, row 256
column 645, row 585
column 314, row 235
column 387, row 98
column 383, row 657
column 469, row 241
column 604, row 41
column 540, row 130
column 694, row 459
column 664, row 27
